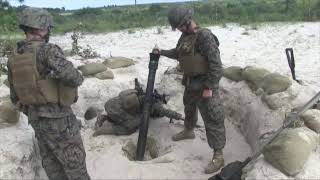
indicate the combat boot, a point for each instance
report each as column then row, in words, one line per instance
column 216, row 163
column 185, row 134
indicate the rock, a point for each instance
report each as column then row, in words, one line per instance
column 259, row 92
column 90, row 113
column 233, row 73
column 290, row 151
column 296, row 123
column 277, row 100
column 275, row 82
column 311, row 119
column 118, row 62
column 92, row 68
column 129, row 150
column 105, row 75
column 9, row 113
column 254, row 76
column 67, row 52
column 20, row 157
column 261, row 169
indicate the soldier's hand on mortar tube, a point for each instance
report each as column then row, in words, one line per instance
column 156, row 49
column 207, row 93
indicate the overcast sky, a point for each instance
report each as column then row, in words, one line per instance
column 77, row 4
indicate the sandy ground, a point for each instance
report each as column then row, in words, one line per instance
column 263, row 47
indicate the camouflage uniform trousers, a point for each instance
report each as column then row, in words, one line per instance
column 61, row 148
column 211, row 110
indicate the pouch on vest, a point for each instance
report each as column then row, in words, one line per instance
column 130, row 101
column 30, row 88
column 67, row 95
column 191, row 62
column 25, row 79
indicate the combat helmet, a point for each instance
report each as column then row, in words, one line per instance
column 177, row 16
column 36, row 18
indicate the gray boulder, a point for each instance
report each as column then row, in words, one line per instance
column 105, row 75
column 90, row 113
column 311, row 119
column 274, row 83
column 92, row 68
column 254, row 76
column 291, row 149
column 277, row 100
column 233, row 73
column 118, row 62
column 67, row 52
column 9, row 113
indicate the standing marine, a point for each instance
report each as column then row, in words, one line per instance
column 43, row 85
column 199, row 57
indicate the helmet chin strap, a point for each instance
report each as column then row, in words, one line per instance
column 36, row 35
column 47, row 36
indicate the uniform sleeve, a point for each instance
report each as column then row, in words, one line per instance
column 172, row 53
column 207, row 45
column 160, row 111
column 60, row 68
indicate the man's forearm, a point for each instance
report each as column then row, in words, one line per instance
column 172, row 53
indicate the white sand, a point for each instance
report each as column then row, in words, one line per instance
column 105, row 160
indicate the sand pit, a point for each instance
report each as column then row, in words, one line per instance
column 248, row 118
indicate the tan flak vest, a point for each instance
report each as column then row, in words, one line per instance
column 130, row 101
column 30, row 88
column 191, row 62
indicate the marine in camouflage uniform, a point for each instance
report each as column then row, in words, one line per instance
column 124, row 113
column 43, row 85
column 199, row 57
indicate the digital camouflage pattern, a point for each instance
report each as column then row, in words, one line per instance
column 55, row 126
column 178, row 16
column 121, row 122
column 211, row 109
column 61, row 148
column 212, row 113
column 51, row 63
column 36, row 18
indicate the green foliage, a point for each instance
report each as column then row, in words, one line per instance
column 131, row 31
column 115, row 18
column 6, row 47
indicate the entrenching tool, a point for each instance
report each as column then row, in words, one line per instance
column 143, row 130
column 233, row 170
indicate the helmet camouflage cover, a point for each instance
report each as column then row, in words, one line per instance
column 179, row 15
column 35, row 18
